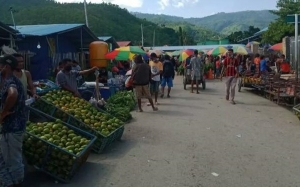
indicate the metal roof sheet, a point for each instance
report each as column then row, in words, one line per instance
column 44, row 30
column 105, row 38
column 193, row 47
column 261, row 31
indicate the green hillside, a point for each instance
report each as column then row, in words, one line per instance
column 223, row 23
column 104, row 19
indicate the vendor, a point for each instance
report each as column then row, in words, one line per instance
column 103, row 74
column 25, row 77
column 67, row 78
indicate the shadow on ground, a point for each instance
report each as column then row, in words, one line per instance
column 38, row 179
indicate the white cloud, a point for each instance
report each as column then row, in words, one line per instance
column 121, row 3
column 175, row 3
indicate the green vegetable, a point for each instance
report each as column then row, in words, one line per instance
column 120, row 105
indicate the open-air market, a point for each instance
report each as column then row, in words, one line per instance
column 115, row 93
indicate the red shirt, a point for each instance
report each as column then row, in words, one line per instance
column 218, row 64
column 231, row 64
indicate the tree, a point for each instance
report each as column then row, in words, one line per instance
column 239, row 35
column 279, row 28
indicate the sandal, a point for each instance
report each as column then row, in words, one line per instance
column 232, row 102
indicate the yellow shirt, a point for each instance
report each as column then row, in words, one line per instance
column 155, row 68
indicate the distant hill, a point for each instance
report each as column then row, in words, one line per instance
column 223, row 23
column 104, row 19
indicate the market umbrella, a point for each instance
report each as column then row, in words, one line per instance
column 250, row 43
column 217, row 51
column 241, row 50
column 124, row 53
column 185, row 54
column 276, row 47
column 157, row 52
column 176, row 53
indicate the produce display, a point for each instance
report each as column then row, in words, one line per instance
column 43, row 86
column 59, row 135
column 82, row 114
column 297, row 111
column 82, row 111
column 56, row 148
column 120, row 105
column 252, row 80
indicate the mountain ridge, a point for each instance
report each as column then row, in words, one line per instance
column 222, row 22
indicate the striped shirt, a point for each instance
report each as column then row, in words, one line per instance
column 231, row 65
column 68, row 79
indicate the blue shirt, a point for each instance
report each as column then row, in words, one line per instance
column 15, row 122
column 263, row 65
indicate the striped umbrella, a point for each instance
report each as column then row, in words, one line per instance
column 185, row 54
column 176, row 53
column 250, row 43
column 124, row 53
column 217, row 51
column 241, row 50
column 276, row 47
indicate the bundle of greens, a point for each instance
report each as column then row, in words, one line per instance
column 120, row 105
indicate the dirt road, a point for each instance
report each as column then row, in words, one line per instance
column 199, row 141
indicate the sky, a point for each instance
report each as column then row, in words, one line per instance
column 188, row 8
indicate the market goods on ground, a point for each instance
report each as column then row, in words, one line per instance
column 120, row 105
column 78, row 112
column 252, row 80
column 56, row 148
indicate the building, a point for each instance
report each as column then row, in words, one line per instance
column 255, row 37
column 110, row 41
column 7, row 35
column 224, row 41
column 124, row 43
column 192, row 47
column 51, row 43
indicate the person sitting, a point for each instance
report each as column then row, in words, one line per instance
column 285, row 67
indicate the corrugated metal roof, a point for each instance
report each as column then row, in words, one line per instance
column 124, row 43
column 261, row 31
column 199, row 47
column 44, row 30
column 104, row 38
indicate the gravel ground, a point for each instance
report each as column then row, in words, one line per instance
column 198, row 141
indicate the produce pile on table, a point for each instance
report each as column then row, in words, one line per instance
column 59, row 159
column 252, row 80
column 120, row 105
column 83, row 111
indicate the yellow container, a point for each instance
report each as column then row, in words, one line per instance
column 98, row 50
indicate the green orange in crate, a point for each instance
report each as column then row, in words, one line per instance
column 80, row 113
column 54, row 147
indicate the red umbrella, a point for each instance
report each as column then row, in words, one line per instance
column 276, row 47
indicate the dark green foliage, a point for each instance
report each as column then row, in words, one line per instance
column 104, row 19
column 223, row 23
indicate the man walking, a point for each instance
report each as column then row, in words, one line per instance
column 156, row 70
column 196, row 71
column 13, row 121
column 167, row 76
column 231, row 68
column 141, row 75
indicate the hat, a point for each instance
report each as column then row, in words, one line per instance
column 9, row 60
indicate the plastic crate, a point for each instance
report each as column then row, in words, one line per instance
column 296, row 110
column 101, row 143
column 50, row 159
column 49, row 83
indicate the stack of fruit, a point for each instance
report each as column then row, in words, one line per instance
column 55, row 148
column 82, row 111
column 252, row 80
column 120, row 105
column 75, row 111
